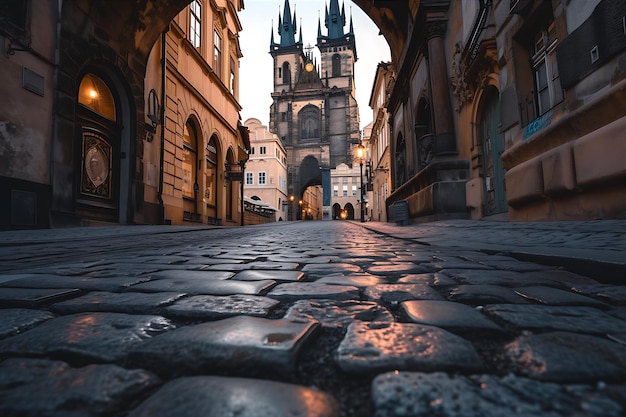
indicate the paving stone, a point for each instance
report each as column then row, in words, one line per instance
column 83, row 283
column 128, row 302
column 393, row 294
column 494, row 277
column 563, row 278
column 390, row 268
column 418, row 257
column 485, row 294
column 356, row 280
column 184, row 274
column 323, row 269
column 32, row 297
column 313, row 290
column 379, row 347
column 32, row 387
column 610, row 293
column 212, row 307
column 234, row 267
column 238, row 344
column 553, row 296
column 103, row 337
column 568, row 357
column 455, row 264
column 214, row 396
column 515, row 265
column 412, row 394
column 201, row 286
column 338, row 314
column 434, row 279
column 274, row 266
column 566, row 318
column 15, row 320
column 259, row 275
column 447, row 315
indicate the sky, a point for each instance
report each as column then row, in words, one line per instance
column 257, row 65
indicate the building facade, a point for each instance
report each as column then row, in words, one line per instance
column 197, row 137
column 346, row 192
column 266, row 170
column 314, row 110
column 376, row 139
column 82, row 132
column 506, row 108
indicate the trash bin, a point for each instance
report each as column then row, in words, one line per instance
column 401, row 213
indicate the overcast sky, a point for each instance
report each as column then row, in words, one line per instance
column 255, row 84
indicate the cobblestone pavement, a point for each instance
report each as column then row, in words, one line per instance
column 313, row 319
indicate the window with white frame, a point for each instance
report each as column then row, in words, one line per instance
column 354, row 187
column 232, row 75
column 262, row 178
column 335, row 191
column 249, row 178
column 195, row 23
column 345, row 191
column 262, row 150
column 217, row 53
column 548, row 91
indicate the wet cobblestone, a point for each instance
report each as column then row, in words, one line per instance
column 332, row 319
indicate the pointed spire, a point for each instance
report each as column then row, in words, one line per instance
column 287, row 27
column 351, row 25
column 335, row 20
column 272, row 43
column 319, row 26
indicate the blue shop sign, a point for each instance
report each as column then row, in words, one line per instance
column 538, row 124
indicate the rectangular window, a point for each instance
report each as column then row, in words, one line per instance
column 195, row 23
column 548, row 92
column 217, row 54
column 335, row 191
column 354, row 187
column 232, row 75
column 345, row 191
column 261, row 178
column 262, row 150
column 249, row 178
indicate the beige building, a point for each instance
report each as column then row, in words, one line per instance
column 346, row 192
column 266, row 170
column 376, row 140
column 200, row 145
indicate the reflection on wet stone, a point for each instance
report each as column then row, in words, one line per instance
column 396, row 293
column 103, row 337
column 210, row 306
column 448, row 315
column 331, row 313
column 16, row 320
column 376, row 347
column 238, row 344
column 314, row 290
column 213, row 396
column 131, row 303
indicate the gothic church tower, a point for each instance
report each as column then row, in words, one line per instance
column 314, row 110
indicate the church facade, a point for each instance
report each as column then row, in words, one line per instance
column 314, row 110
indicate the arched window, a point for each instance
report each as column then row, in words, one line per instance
column 400, row 161
column 94, row 94
column 310, row 120
column 190, row 152
column 424, row 134
column 286, row 73
column 336, row 65
column 210, row 174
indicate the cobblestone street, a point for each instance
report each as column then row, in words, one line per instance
column 312, row 319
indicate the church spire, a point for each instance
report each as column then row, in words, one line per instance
column 287, row 26
column 335, row 20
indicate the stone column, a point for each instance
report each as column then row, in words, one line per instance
column 445, row 140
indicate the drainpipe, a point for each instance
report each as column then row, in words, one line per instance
column 162, row 117
column 55, row 99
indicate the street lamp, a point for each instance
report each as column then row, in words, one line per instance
column 291, row 208
column 360, row 155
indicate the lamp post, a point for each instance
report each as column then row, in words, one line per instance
column 360, row 154
column 291, row 208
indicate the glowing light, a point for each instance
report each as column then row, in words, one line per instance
column 93, row 93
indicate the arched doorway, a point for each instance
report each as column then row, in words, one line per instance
column 337, row 212
column 210, row 180
column 103, row 150
column 230, row 189
column 492, row 142
column 349, row 210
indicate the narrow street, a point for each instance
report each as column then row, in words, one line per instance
column 315, row 319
